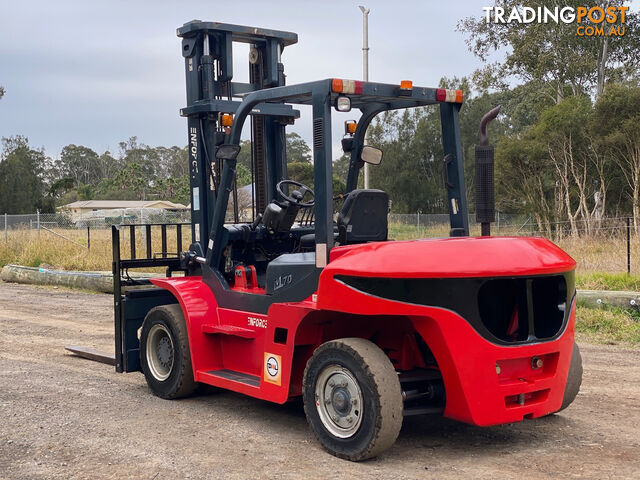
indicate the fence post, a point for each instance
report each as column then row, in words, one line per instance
column 628, row 246
column 498, row 222
column 6, row 229
column 88, row 237
column 38, row 221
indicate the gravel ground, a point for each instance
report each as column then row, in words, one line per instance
column 66, row 417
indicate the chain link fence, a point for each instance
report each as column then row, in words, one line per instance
column 609, row 245
column 99, row 219
column 598, row 245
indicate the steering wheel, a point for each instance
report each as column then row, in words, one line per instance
column 301, row 191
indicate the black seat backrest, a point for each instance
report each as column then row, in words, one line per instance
column 363, row 217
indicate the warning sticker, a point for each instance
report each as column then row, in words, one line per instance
column 272, row 373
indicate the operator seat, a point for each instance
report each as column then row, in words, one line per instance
column 363, row 218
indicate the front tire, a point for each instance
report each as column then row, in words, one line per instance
column 352, row 398
column 574, row 379
column 164, row 353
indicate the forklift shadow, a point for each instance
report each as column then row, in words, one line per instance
column 418, row 432
column 438, row 432
column 227, row 402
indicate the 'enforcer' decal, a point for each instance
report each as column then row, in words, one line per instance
column 257, row 322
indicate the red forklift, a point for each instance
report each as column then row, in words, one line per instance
column 310, row 298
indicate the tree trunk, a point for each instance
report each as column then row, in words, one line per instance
column 602, row 66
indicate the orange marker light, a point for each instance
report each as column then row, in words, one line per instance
column 458, row 96
column 350, row 127
column 406, row 84
column 336, row 85
column 227, row 120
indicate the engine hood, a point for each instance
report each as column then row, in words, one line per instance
column 450, row 257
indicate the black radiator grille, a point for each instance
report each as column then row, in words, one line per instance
column 504, row 310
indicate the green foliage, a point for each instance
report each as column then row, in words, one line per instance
column 175, row 189
column 243, row 175
column 301, row 172
column 297, row 149
column 341, row 166
column 22, row 189
column 615, row 127
column 81, row 164
column 608, row 281
column 244, row 157
column 61, row 186
column 550, row 54
column 411, row 168
column 608, row 325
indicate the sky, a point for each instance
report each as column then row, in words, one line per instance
column 96, row 73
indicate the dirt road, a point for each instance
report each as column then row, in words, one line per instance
column 65, row 417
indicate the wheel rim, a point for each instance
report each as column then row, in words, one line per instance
column 339, row 401
column 160, row 352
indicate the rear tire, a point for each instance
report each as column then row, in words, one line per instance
column 164, row 353
column 574, row 379
column 352, row 398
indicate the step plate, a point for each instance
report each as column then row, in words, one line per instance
column 240, row 377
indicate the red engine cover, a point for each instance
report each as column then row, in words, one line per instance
column 450, row 257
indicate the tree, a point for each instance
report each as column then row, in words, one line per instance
column 80, row 163
column 411, row 168
column 244, row 157
column 563, row 131
column 175, row 189
column 22, row 189
column 550, row 54
column 130, row 181
column 61, row 186
column 147, row 159
column 524, row 183
column 616, row 129
column 297, row 149
column 243, row 175
column 108, row 165
column 1, row 91
column 173, row 161
column 341, row 166
column 301, row 172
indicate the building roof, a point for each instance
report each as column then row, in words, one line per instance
column 112, row 204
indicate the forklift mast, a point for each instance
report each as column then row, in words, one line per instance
column 207, row 48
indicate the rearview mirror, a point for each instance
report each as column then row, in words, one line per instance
column 371, row 155
column 228, row 151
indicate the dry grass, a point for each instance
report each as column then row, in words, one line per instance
column 597, row 256
column 594, row 254
column 26, row 247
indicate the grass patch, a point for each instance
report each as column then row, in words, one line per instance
column 608, row 281
column 608, row 325
column 26, row 247
column 601, row 260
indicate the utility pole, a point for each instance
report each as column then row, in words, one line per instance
column 365, row 71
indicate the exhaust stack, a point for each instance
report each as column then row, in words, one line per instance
column 485, row 202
